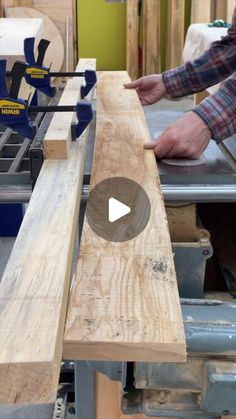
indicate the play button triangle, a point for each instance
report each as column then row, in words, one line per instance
column 116, row 210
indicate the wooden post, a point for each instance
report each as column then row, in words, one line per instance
column 221, row 10
column 151, row 54
column 132, row 38
column 1, row 8
column 201, row 11
column 230, row 9
column 175, row 33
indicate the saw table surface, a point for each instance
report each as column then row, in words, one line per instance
column 215, row 177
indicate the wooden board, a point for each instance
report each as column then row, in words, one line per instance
column 230, row 9
column 1, row 8
column 132, row 21
column 201, row 11
column 221, row 9
column 175, row 34
column 34, row 287
column 124, row 304
column 151, row 36
column 57, row 140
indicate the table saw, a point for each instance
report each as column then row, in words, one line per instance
column 205, row 387
column 172, row 390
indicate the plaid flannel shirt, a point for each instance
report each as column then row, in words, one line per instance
column 218, row 111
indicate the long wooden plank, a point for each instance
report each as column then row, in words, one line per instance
column 175, row 34
column 231, row 4
column 151, row 36
column 34, row 287
column 123, row 305
column 221, row 9
column 132, row 23
column 57, row 140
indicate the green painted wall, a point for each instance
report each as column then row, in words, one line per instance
column 102, row 33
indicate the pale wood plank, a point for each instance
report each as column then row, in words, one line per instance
column 120, row 309
column 57, row 140
column 34, row 287
column 175, row 33
column 1, row 8
column 201, row 11
column 132, row 23
column 151, row 36
column 230, row 9
column 221, row 9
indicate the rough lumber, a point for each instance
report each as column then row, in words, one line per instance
column 230, row 9
column 124, row 303
column 34, row 287
column 57, row 140
column 221, row 9
column 175, row 34
column 132, row 21
column 151, row 37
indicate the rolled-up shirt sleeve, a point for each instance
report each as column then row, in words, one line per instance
column 217, row 63
column 218, row 111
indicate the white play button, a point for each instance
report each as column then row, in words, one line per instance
column 116, row 210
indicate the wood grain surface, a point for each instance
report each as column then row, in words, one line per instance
column 132, row 21
column 175, row 33
column 34, row 287
column 125, row 304
column 151, row 30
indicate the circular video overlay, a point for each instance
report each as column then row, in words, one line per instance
column 118, row 209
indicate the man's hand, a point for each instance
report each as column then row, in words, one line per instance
column 150, row 89
column 187, row 137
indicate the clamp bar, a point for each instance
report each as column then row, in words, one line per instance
column 46, row 109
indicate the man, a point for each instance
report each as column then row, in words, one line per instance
column 215, row 117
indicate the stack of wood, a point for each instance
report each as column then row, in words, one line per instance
column 148, row 29
column 204, row 11
column 147, row 26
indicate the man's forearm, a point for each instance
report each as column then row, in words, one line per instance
column 219, row 110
